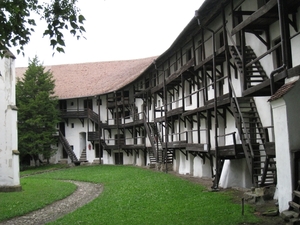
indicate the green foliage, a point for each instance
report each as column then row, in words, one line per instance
column 35, row 194
column 37, row 111
column 17, row 22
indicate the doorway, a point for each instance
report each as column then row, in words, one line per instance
column 119, row 158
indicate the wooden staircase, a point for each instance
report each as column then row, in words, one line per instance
column 68, row 148
column 254, row 72
column 259, row 152
column 83, row 156
column 295, row 203
column 156, row 152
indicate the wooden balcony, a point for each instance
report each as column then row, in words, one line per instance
column 94, row 136
column 80, row 114
column 264, row 16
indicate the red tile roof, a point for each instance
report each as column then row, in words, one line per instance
column 282, row 91
column 96, row 78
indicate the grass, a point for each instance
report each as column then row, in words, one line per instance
column 36, row 194
column 42, row 168
column 133, row 195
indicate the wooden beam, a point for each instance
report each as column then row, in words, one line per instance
column 259, row 13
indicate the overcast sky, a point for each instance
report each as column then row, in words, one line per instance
column 117, row 30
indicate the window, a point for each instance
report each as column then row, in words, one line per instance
column 64, row 154
column 127, row 114
column 88, row 104
column 200, row 52
column 147, row 83
column 63, row 104
column 189, row 90
column 188, row 54
column 221, row 39
column 72, row 125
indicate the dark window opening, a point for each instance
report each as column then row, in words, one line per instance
column 200, row 52
column 188, row 54
column 127, row 114
column 126, row 94
column 221, row 39
column 147, row 83
column 64, row 154
column 88, row 104
column 63, row 104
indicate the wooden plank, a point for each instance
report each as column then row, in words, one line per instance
column 295, row 206
column 297, row 193
column 195, row 147
column 259, row 13
column 270, row 149
column 177, row 73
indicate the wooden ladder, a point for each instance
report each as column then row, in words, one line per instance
column 295, row 203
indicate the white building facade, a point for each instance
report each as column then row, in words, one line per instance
column 9, row 154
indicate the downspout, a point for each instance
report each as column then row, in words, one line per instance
column 166, row 126
column 99, row 129
column 272, row 82
column 216, row 184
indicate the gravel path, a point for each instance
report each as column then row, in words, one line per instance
column 84, row 193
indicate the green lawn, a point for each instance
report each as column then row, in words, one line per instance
column 134, row 195
column 36, row 194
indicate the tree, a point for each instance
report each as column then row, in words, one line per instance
column 38, row 113
column 17, row 22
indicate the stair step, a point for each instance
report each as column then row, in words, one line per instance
column 295, row 206
column 296, row 193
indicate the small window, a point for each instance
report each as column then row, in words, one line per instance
column 72, row 103
column 188, row 54
column 127, row 114
column 147, row 83
column 72, row 125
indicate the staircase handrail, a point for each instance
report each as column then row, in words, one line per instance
column 234, row 44
column 233, row 138
column 149, row 134
column 241, row 116
column 92, row 115
column 263, row 55
column 68, row 147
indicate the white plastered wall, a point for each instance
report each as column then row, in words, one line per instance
column 284, row 173
column 9, row 158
